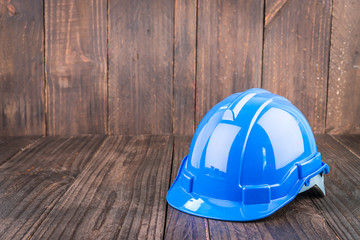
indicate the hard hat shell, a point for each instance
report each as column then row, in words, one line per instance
column 251, row 154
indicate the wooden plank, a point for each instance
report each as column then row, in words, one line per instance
column 76, row 66
column 229, row 54
column 120, row 194
column 273, row 9
column 140, row 66
column 341, row 206
column 344, row 74
column 21, row 68
column 9, row 146
column 32, row 182
column 351, row 142
column 184, row 67
column 180, row 225
column 296, row 50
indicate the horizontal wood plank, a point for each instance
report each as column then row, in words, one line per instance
column 33, row 181
column 341, row 206
column 120, row 194
column 180, row 225
column 351, row 142
column 9, row 146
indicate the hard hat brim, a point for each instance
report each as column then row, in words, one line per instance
column 202, row 206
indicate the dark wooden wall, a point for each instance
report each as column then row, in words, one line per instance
column 156, row 67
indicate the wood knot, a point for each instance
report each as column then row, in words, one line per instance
column 11, row 9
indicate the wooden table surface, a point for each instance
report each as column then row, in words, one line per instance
column 114, row 187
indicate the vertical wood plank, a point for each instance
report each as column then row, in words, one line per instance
column 140, row 66
column 296, row 50
column 76, row 66
column 184, row 66
column 343, row 115
column 229, row 50
column 21, row 68
column 120, row 194
column 180, row 225
column 33, row 181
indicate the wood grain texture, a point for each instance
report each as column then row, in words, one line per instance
column 296, row 50
column 33, row 181
column 229, row 54
column 180, row 225
column 119, row 195
column 273, row 9
column 21, row 68
column 351, row 142
column 76, row 66
column 9, row 146
column 341, row 206
column 141, row 66
column 184, row 66
column 343, row 108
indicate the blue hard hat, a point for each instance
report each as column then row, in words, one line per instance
column 251, row 154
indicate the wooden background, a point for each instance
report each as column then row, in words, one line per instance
column 156, row 67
